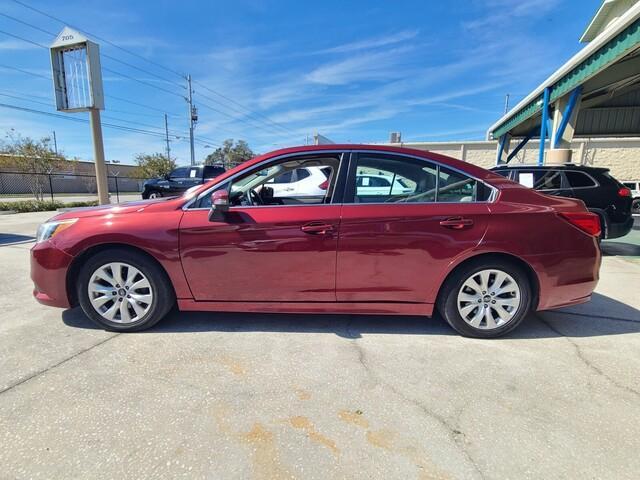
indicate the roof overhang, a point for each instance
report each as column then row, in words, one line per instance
column 613, row 44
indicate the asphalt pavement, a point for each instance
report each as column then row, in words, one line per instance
column 226, row 396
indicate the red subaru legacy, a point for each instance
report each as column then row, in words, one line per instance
column 386, row 231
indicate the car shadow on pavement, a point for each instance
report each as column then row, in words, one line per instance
column 14, row 239
column 623, row 249
column 601, row 317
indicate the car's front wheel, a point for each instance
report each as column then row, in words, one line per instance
column 486, row 299
column 122, row 290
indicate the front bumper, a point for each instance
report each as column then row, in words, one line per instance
column 49, row 267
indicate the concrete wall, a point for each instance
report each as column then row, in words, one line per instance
column 621, row 155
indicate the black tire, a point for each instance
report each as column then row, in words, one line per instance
column 635, row 205
column 447, row 299
column 163, row 294
column 151, row 194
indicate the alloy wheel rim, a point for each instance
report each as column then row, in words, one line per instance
column 120, row 293
column 488, row 299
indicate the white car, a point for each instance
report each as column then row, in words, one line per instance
column 301, row 182
column 634, row 186
column 370, row 184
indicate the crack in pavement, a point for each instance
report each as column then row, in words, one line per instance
column 51, row 367
column 580, row 354
column 453, row 431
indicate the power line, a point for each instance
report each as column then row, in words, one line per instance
column 24, row 39
column 113, row 97
column 238, row 119
column 59, row 20
column 124, row 75
column 243, row 107
column 76, row 119
column 227, row 98
column 105, row 55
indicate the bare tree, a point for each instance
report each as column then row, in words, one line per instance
column 36, row 158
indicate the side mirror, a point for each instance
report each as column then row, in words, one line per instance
column 219, row 205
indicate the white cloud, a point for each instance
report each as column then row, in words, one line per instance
column 16, row 45
column 363, row 67
column 370, row 43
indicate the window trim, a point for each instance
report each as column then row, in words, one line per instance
column 350, row 186
column 596, row 184
column 347, row 157
column 344, row 158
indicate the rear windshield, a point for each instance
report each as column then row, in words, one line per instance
column 212, row 171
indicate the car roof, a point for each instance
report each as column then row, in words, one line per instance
column 564, row 166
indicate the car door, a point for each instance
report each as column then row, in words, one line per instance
column 264, row 253
column 397, row 247
column 194, row 177
column 177, row 180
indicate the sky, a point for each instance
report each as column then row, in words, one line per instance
column 275, row 72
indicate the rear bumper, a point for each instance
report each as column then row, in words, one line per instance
column 49, row 267
column 567, row 278
column 617, row 230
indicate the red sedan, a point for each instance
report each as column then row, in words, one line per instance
column 389, row 231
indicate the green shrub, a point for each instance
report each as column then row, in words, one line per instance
column 23, row 206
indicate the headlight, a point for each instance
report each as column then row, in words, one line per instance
column 49, row 229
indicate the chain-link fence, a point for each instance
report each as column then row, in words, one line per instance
column 64, row 186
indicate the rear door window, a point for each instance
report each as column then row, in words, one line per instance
column 540, row 179
column 579, row 179
column 179, row 173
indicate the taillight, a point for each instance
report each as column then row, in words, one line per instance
column 587, row 222
column 324, row 185
column 624, row 192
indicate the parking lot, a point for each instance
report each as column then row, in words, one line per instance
column 292, row 396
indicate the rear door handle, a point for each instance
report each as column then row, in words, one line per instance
column 457, row 223
column 317, row 228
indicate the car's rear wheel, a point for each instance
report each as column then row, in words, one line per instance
column 122, row 290
column 154, row 194
column 486, row 299
column 635, row 205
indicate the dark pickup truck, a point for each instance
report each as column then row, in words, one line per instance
column 179, row 180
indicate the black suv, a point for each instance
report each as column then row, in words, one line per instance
column 179, row 180
column 601, row 193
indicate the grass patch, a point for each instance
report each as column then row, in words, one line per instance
column 24, row 206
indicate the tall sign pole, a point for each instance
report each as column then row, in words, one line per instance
column 77, row 85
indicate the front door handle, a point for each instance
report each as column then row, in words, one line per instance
column 457, row 223
column 317, row 228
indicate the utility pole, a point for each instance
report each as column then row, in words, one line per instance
column 55, row 143
column 166, row 134
column 506, row 103
column 193, row 118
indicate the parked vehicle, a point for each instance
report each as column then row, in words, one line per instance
column 301, row 182
column 370, row 184
column 601, row 193
column 479, row 248
column 180, row 180
column 634, row 186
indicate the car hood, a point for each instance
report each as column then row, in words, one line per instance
column 119, row 208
